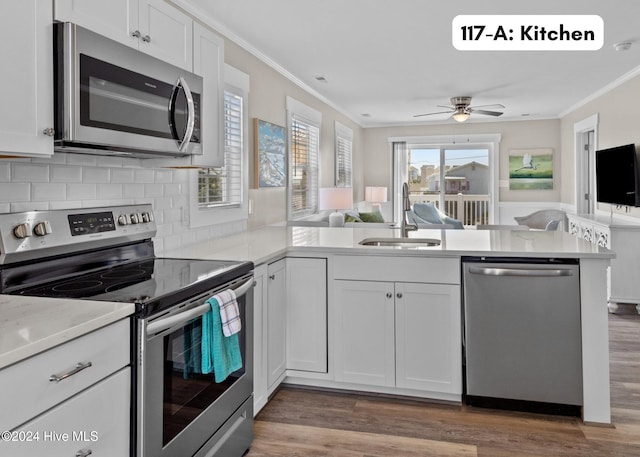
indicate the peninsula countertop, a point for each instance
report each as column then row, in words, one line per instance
column 267, row 243
column 30, row 325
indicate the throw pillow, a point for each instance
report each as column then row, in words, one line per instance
column 375, row 216
column 350, row 218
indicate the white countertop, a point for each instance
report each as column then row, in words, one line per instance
column 267, row 243
column 30, row 325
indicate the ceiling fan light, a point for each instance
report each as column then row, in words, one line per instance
column 460, row 116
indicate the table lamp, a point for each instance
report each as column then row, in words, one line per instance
column 375, row 196
column 336, row 198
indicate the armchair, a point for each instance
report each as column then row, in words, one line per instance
column 425, row 214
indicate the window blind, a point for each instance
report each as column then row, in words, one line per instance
column 344, row 146
column 305, row 139
column 222, row 186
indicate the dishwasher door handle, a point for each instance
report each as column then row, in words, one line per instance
column 528, row 273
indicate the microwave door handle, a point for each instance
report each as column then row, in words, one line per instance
column 191, row 115
column 185, row 316
column 191, row 118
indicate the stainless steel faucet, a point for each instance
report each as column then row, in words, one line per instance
column 405, row 226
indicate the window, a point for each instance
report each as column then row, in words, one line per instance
column 344, row 146
column 304, row 146
column 222, row 186
column 218, row 194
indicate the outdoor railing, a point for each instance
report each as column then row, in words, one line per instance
column 470, row 209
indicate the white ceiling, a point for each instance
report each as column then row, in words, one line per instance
column 392, row 59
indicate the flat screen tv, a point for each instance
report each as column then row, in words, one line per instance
column 617, row 180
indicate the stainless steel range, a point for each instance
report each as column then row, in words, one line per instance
column 180, row 409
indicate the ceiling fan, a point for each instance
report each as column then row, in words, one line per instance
column 460, row 109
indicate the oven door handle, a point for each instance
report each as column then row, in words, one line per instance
column 184, row 317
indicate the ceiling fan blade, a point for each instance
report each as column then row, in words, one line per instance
column 429, row 114
column 488, row 113
column 495, row 106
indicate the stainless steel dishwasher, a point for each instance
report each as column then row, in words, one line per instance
column 522, row 337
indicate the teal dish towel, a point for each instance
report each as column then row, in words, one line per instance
column 220, row 354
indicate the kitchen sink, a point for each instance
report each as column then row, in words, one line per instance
column 400, row 242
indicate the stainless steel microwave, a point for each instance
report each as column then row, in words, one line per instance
column 111, row 99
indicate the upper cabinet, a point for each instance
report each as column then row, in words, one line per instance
column 26, row 111
column 152, row 26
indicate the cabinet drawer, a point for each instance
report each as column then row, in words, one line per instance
column 95, row 421
column 27, row 390
column 441, row 270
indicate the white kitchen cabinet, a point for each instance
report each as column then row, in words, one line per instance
column 93, row 422
column 428, row 337
column 93, row 374
column 259, row 337
column 26, row 111
column 152, row 26
column 395, row 333
column 307, row 314
column 276, row 317
column 622, row 237
column 364, row 333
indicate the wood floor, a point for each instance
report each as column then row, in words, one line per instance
column 301, row 422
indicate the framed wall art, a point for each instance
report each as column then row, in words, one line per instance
column 270, row 147
column 531, row 169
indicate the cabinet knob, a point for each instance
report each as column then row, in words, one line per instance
column 389, row 295
column 136, row 34
column 272, row 277
column 399, row 295
column 146, row 39
column 49, row 131
column 84, row 453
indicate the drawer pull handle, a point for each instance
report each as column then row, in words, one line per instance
column 79, row 367
column 83, row 453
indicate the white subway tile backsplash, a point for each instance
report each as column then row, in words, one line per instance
column 29, row 206
column 108, row 191
column 65, row 173
column 85, row 181
column 5, row 172
column 164, row 176
column 81, row 191
column 15, row 192
column 144, row 176
column 30, row 172
column 122, row 175
column 96, row 175
column 153, row 190
column 41, row 191
column 84, row 160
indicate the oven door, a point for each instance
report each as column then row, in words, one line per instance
column 180, row 409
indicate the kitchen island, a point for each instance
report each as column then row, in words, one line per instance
column 266, row 246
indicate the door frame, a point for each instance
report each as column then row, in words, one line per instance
column 585, row 174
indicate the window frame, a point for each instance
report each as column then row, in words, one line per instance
column 236, row 82
column 298, row 112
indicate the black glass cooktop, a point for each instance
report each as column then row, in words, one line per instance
column 152, row 284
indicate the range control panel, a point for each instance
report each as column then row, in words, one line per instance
column 71, row 230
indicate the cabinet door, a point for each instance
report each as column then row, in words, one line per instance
column 208, row 62
column 166, row 33
column 115, row 19
column 96, row 421
column 428, row 345
column 259, row 339
column 307, row 314
column 26, row 42
column 364, row 332
column 276, row 322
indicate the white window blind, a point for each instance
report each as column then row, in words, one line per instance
column 304, row 144
column 222, row 186
column 344, row 147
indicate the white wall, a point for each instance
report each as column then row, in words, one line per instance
column 619, row 124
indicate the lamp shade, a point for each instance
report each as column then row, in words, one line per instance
column 336, row 198
column 375, row 194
